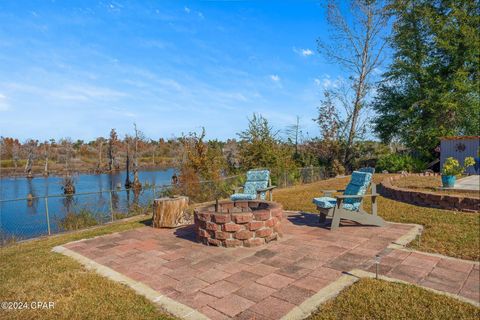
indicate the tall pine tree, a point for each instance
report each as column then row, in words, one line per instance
column 431, row 88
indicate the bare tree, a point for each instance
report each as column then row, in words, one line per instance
column 46, row 152
column 128, row 141
column 137, row 137
column 99, row 143
column 30, row 145
column 154, row 150
column 294, row 133
column 112, row 150
column 357, row 44
column 67, row 152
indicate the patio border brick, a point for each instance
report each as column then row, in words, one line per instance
column 411, row 235
column 169, row 305
column 328, row 292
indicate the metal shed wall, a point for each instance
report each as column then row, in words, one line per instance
column 449, row 148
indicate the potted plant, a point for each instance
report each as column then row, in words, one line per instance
column 452, row 168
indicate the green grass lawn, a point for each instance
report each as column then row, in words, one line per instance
column 378, row 299
column 29, row 271
column 451, row 233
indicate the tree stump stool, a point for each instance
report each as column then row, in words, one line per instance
column 170, row 212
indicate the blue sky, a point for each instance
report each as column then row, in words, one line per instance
column 79, row 68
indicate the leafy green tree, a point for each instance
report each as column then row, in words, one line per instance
column 260, row 147
column 431, row 87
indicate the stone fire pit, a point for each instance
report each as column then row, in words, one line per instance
column 239, row 223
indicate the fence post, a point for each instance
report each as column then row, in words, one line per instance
column 311, row 173
column 47, row 216
column 111, row 204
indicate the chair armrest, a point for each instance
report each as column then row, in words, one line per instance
column 266, row 189
column 356, row 196
column 237, row 189
column 329, row 193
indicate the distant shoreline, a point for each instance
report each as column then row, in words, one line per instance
column 60, row 172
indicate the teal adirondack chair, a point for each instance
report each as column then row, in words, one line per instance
column 349, row 205
column 367, row 169
column 256, row 187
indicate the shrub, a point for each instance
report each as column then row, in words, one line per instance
column 396, row 162
column 76, row 221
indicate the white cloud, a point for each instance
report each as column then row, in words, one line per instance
column 74, row 91
column 199, row 14
column 274, row 78
column 326, row 82
column 303, row 52
column 3, row 103
column 307, row 52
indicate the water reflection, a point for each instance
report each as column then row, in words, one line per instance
column 27, row 218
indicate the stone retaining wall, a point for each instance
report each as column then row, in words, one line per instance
column 239, row 223
column 427, row 199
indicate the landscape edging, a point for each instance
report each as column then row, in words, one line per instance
column 427, row 199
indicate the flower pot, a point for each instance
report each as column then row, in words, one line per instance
column 448, row 181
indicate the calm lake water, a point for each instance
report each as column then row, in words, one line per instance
column 24, row 219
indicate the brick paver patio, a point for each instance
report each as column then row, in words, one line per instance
column 267, row 282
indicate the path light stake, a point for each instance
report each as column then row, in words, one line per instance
column 377, row 262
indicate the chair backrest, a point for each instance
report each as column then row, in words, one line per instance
column 257, row 179
column 367, row 169
column 358, row 185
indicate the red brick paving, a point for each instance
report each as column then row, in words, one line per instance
column 267, row 282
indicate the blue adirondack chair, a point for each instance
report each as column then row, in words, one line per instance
column 349, row 205
column 367, row 169
column 256, row 187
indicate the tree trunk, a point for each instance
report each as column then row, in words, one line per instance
column 45, row 169
column 128, row 183
column 100, row 156
column 359, row 95
column 170, row 212
column 136, row 181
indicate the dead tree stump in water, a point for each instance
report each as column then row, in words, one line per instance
column 170, row 212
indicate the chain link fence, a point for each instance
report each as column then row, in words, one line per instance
column 32, row 217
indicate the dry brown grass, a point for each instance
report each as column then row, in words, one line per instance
column 446, row 232
column 377, row 299
column 31, row 272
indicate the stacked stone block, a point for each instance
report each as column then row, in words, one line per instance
column 428, row 199
column 239, row 223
